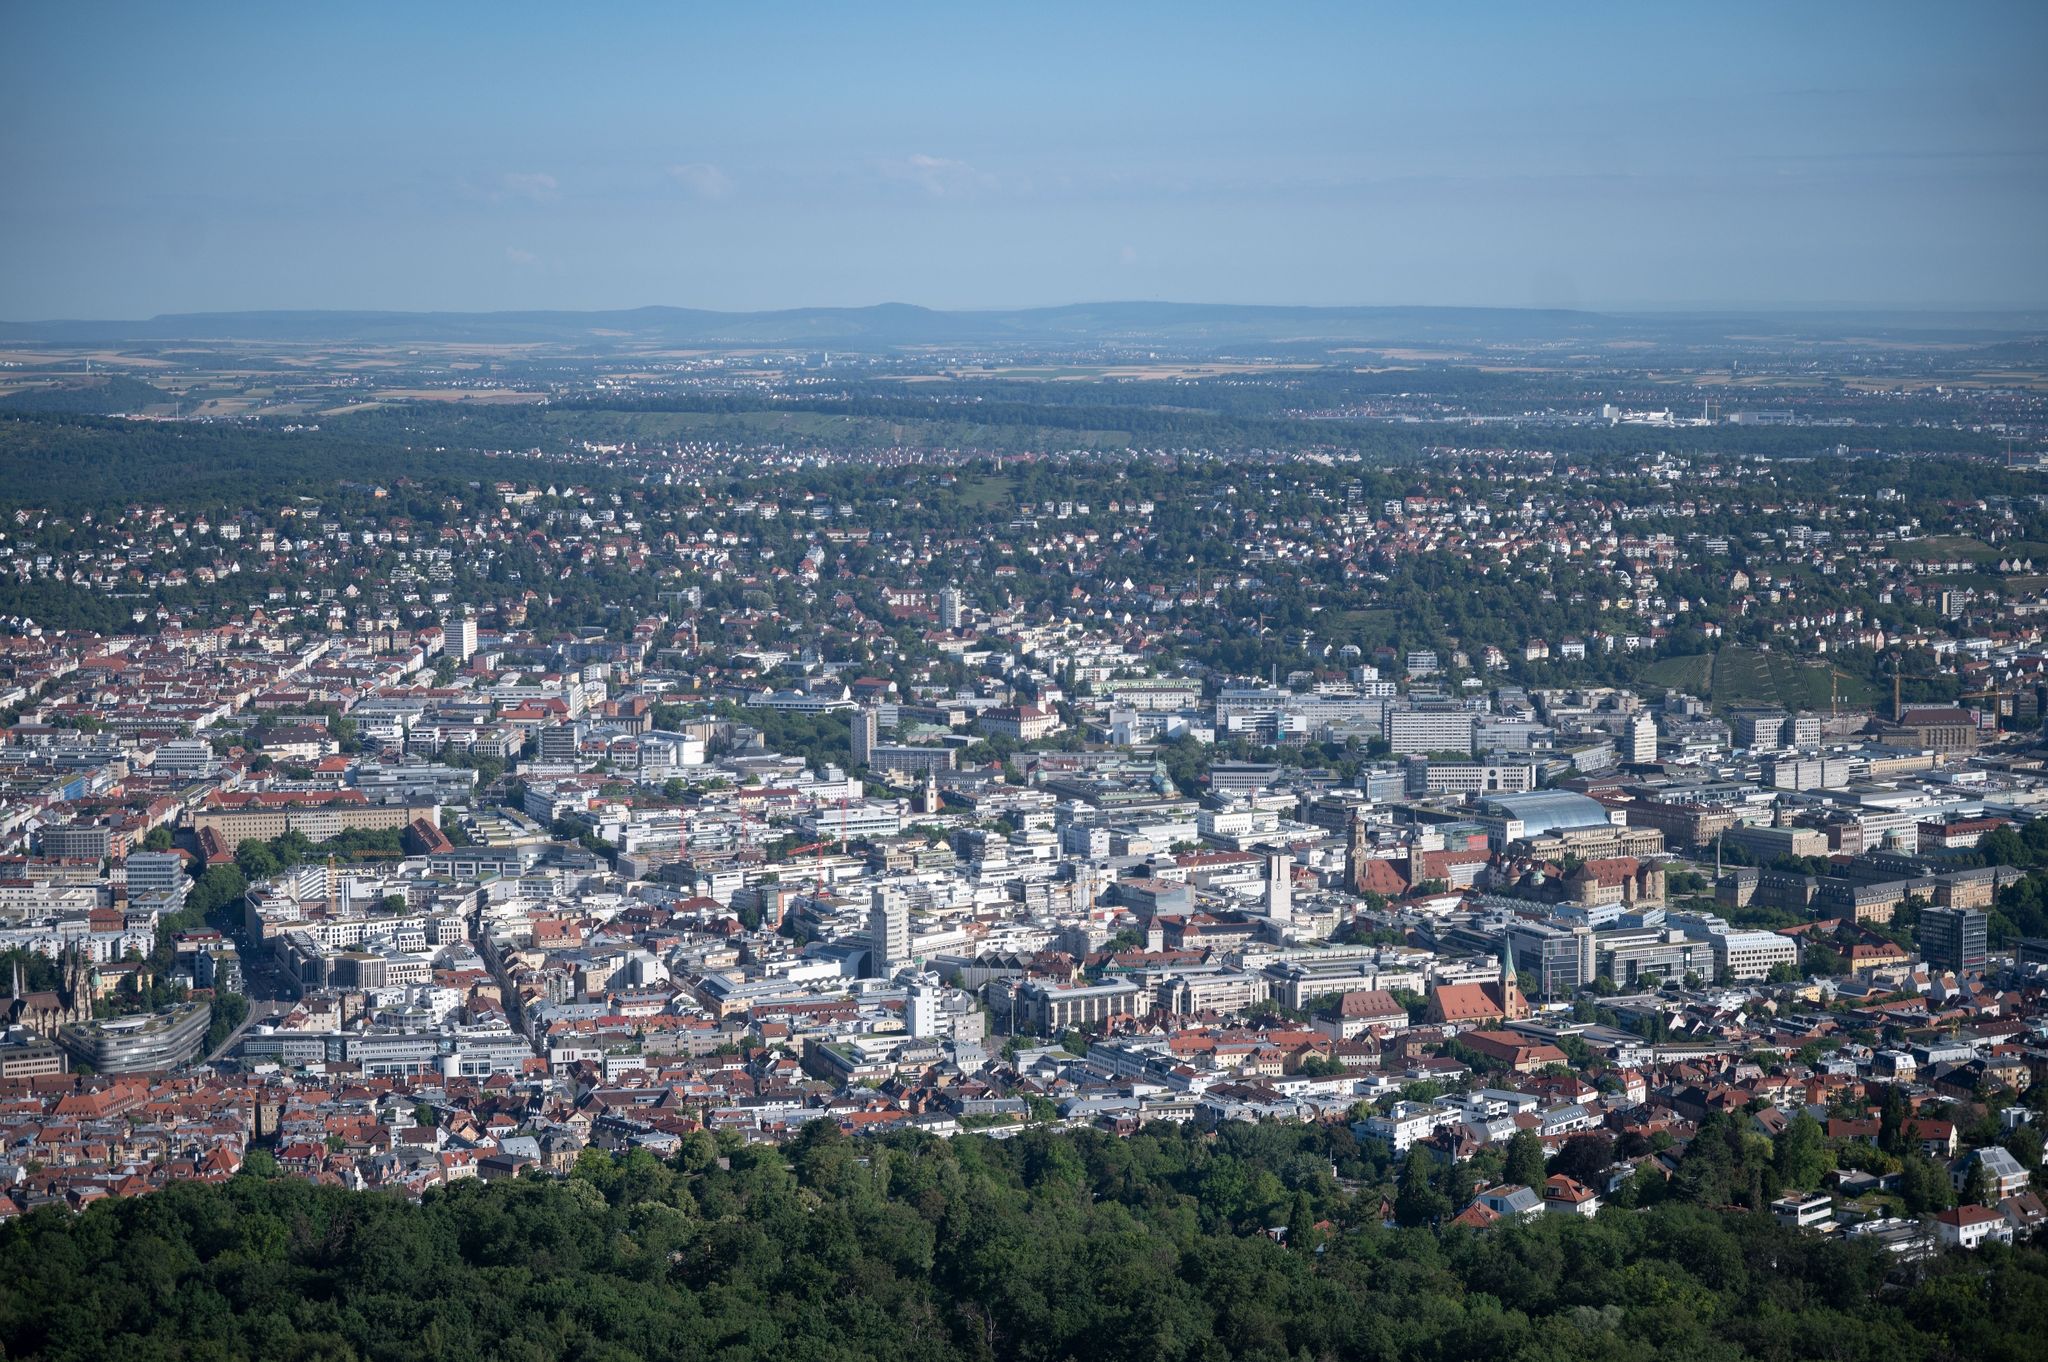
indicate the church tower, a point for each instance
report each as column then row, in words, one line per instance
column 1355, row 856
column 1280, row 889
column 1513, row 1006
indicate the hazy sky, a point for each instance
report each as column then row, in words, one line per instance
column 185, row 157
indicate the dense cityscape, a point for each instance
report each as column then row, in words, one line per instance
column 1399, row 713
column 1628, row 815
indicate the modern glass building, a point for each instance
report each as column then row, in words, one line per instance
column 1955, row 939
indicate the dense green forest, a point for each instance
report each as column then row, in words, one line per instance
column 1164, row 1245
column 75, row 462
column 114, row 393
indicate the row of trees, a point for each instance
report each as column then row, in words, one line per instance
column 2022, row 909
column 1172, row 1244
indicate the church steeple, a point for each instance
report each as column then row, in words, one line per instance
column 1513, row 1006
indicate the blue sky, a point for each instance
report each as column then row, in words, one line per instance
column 164, row 158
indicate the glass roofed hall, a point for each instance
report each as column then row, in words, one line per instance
column 1549, row 811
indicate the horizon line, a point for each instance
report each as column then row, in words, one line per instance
column 1659, row 309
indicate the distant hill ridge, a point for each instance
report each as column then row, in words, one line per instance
column 889, row 325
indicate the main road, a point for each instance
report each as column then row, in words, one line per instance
column 260, row 1010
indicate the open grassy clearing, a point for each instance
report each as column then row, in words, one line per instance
column 1735, row 678
column 985, row 490
column 1693, row 675
column 1948, row 547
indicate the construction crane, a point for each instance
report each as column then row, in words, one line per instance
column 818, row 884
column 2000, row 700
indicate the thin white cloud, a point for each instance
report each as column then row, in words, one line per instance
column 518, row 257
column 701, row 178
column 937, row 176
column 535, row 185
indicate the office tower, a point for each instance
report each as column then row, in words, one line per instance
column 1954, row 939
column 888, row 933
column 1642, row 738
column 561, row 744
column 921, row 1009
column 460, row 642
column 156, row 874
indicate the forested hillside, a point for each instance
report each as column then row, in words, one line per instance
column 1046, row 1246
column 91, row 463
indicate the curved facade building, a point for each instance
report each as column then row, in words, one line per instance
column 139, row 1044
